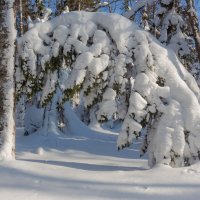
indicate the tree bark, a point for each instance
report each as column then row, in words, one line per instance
column 194, row 25
column 7, row 50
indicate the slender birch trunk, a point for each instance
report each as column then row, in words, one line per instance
column 7, row 50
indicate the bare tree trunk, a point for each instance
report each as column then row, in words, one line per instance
column 193, row 19
column 79, row 5
column 22, row 6
column 7, row 50
column 21, row 18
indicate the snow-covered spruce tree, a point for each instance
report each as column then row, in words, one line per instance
column 170, row 24
column 7, row 38
column 118, row 72
column 31, row 13
column 175, row 24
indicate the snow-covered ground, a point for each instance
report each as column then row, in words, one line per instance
column 88, row 166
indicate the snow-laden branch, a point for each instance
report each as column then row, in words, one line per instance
column 137, row 6
column 117, row 72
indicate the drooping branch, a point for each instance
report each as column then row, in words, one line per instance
column 117, row 72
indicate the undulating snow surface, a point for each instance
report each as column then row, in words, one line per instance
column 86, row 165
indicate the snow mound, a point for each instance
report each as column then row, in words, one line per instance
column 119, row 72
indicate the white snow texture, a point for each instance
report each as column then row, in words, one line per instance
column 124, row 74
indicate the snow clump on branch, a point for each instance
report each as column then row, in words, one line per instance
column 119, row 73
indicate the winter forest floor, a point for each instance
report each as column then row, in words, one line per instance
column 89, row 167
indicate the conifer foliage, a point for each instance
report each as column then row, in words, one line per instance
column 175, row 24
column 118, row 73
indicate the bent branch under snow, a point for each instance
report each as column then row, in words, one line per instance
column 120, row 73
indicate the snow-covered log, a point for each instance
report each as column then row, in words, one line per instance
column 7, row 50
column 118, row 72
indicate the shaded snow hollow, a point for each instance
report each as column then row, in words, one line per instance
column 162, row 96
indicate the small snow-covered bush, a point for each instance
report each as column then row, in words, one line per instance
column 118, row 72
